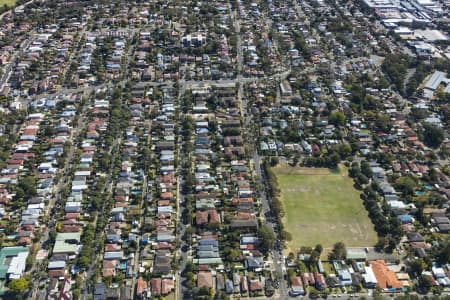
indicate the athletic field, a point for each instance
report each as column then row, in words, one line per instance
column 323, row 207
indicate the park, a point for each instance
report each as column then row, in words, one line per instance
column 321, row 206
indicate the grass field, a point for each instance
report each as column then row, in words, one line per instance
column 322, row 206
column 7, row 2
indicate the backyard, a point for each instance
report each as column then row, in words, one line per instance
column 322, row 207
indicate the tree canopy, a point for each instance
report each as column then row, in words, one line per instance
column 339, row 251
column 267, row 237
column 432, row 136
column 18, row 286
column 337, row 118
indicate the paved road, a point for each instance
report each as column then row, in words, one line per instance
column 265, row 209
column 110, row 181
column 57, row 190
column 5, row 77
column 278, row 264
column 181, row 227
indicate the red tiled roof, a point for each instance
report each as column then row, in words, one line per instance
column 204, row 279
column 108, row 272
column 255, row 285
column 141, row 286
column 385, row 277
column 207, row 216
column 296, row 281
column 167, row 286
column 156, row 286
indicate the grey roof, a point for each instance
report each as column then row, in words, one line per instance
column 207, row 248
column 99, row 289
column 435, row 80
column 207, row 254
column 208, row 242
column 113, row 255
column 58, row 264
column 229, row 286
column 254, row 262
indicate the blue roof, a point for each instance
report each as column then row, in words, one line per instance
column 405, row 218
column 208, row 242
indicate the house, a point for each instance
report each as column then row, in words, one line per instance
column 345, row 277
column 414, row 237
column 285, row 88
column 296, row 287
column 228, row 286
column 161, row 264
column 405, row 219
column 112, row 294
column 126, row 293
column 319, row 281
column 99, row 291
column 369, row 279
column 12, row 264
column 141, row 287
column 244, row 284
column 386, row 279
column 155, row 284
column 67, row 243
column 254, row 263
column 167, row 286
column 255, row 286
column 209, row 216
column 251, row 224
column 204, row 279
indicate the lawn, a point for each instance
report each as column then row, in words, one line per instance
column 322, row 207
column 7, row 2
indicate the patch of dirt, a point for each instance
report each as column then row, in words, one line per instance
column 283, row 168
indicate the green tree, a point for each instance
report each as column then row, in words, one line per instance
column 344, row 150
column 337, row 118
column 406, row 184
column 425, row 283
column 318, row 248
column 432, row 136
column 335, row 159
column 18, row 286
column 76, row 293
column 417, row 266
column 444, row 254
column 339, row 251
column 396, row 67
column 28, row 185
column 266, row 237
column 383, row 122
column 366, row 169
column 274, row 161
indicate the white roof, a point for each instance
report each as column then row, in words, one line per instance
column 79, row 187
column 165, row 209
column 82, row 173
column 396, row 204
column 58, row 264
column 369, row 276
column 17, row 265
column 36, row 206
column 438, row 272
